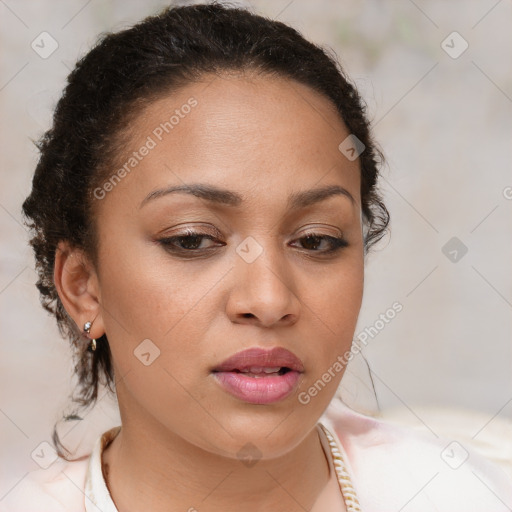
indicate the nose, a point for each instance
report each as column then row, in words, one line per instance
column 263, row 292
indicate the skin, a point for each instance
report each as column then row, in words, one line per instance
column 262, row 138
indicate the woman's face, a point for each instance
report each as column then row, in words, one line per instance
column 186, row 280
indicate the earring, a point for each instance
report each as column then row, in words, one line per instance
column 87, row 329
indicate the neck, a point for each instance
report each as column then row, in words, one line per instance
column 150, row 467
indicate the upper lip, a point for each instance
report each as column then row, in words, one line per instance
column 276, row 357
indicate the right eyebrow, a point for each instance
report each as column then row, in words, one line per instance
column 203, row 191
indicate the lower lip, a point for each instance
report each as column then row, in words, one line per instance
column 258, row 390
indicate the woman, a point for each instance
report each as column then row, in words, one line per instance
column 201, row 211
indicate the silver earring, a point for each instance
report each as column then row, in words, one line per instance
column 87, row 329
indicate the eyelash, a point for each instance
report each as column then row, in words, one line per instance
column 336, row 243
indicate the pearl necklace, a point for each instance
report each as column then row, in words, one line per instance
column 347, row 489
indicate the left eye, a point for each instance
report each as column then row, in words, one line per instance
column 313, row 242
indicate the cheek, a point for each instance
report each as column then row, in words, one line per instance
column 345, row 303
column 145, row 297
column 333, row 311
column 142, row 295
column 333, row 307
column 335, row 296
column 136, row 301
column 153, row 320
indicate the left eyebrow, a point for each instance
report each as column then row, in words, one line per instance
column 308, row 197
column 226, row 197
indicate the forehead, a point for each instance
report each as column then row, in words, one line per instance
column 246, row 132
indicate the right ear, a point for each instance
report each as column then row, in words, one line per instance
column 77, row 284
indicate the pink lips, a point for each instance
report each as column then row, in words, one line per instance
column 260, row 376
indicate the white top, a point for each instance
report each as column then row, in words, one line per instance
column 97, row 496
column 392, row 468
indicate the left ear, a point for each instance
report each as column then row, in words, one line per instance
column 77, row 284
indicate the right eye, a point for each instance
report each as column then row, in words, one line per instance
column 190, row 242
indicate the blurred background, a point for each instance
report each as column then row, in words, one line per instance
column 437, row 79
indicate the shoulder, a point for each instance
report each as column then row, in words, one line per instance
column 59, row 488
column 397, row 468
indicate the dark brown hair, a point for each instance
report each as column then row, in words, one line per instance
column 131, row 68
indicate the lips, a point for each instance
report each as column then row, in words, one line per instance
column 258, row 376
column 257, row 360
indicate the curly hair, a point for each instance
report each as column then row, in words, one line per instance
column 126, row 71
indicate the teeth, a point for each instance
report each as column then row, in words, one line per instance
column 260, row 369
